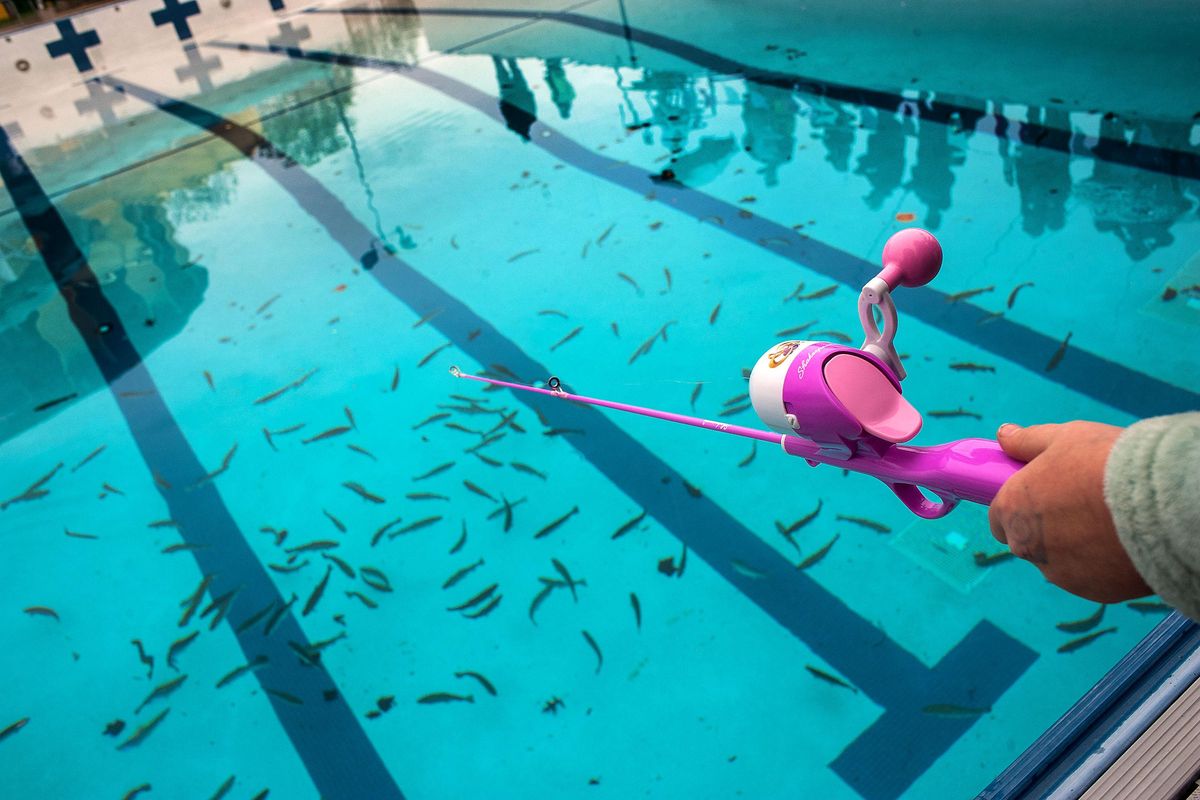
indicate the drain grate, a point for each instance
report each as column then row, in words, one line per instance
column 946, row 547
column 1180, row 300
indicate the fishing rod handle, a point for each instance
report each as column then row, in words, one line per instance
column 965, row 469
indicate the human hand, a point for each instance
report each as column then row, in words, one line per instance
column 1052, row 511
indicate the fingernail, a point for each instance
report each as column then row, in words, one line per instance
column 1006, row 428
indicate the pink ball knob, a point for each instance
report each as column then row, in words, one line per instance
column 911, row 257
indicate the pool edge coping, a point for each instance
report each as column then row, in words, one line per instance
column 1062, row 750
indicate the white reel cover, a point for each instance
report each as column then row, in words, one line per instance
column 766, row 383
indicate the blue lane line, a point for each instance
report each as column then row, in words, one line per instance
column 977, row 671
column 1152, row 158
column 326, row 733
column 1110, row 382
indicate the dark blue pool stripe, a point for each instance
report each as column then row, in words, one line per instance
column 1109, row 382
column 887, row 757
column 1149, row 157
column 326, row 734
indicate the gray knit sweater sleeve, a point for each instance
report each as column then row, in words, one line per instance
column 1152, row 487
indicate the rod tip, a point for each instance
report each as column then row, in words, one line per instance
column 456, row 372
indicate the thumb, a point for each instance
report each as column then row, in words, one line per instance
column 1025, row 443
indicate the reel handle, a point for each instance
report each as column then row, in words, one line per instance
column 911, row 257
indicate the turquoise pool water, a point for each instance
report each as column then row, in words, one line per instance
column 295, row 221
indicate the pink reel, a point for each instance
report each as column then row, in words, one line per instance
column 844, row 399
column 836, row 396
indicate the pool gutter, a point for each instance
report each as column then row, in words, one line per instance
column 1076, row 750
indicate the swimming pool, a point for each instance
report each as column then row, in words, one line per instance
column 299, row 219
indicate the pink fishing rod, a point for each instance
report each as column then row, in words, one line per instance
column 556, row 391
column 834, row 404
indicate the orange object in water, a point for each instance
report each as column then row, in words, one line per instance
column 341, row 287
column 905, row 216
